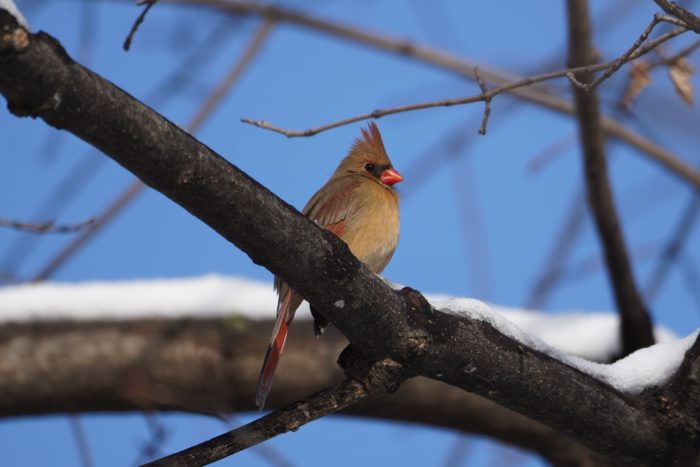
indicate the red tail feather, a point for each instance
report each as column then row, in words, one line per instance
column 274, row 350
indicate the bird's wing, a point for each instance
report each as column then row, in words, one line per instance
column 330, row 208
column 333, row 204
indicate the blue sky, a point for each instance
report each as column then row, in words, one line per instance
column 476, row 223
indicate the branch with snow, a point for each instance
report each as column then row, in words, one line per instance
column 583, row 340
column 380, row 323
column 210, row 365
column 11, row 8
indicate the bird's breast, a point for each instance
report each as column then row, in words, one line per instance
column 372, row 232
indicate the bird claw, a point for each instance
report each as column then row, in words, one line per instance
column 320, row 322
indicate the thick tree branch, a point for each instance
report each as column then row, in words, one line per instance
column 132, row 192
column 211, row 366
column 38, row 79
column 635, row 321
column 455, row 64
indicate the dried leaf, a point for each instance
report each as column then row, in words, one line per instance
column 681, row 71
column 639, row 79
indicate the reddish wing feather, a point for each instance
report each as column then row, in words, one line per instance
column 274, row 349
column 330, row 212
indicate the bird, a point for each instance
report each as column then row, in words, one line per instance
column 358, row 204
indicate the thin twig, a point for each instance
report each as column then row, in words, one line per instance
column 112, row 210
column 487, row 101
column 583, row 268
column 551, row 152
column 158, row 434
column 624, row 58
column 290, row 418
column 218, row 94
column 674, row 247
column 674, row 58
column 81, row 440
column 266, row 451
column 691, row 278
column 149, row 4
column 674, row 9
column 484, row 96
column 45, row 227
column 569, row 233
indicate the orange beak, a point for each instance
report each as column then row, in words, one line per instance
column 390, row 176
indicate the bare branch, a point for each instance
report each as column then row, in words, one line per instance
column 551, row 152
column 487, row 101
column 98, row 373
column 626, row 57
column 81, row 441
column 77, row 243
column 149, row 4
column 673, row 247
column 45, row 227
column 673, row 58
column 672, row 8
column 484, row 96
column 461, row 67
column 281, row 421
column 635, row 320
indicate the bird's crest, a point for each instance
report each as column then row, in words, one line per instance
column 370, row 142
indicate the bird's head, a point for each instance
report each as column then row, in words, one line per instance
column 368, row 157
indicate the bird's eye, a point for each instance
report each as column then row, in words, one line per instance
column 369, row 167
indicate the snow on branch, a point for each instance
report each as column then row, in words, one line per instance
column 10, row 6
column 578, row 339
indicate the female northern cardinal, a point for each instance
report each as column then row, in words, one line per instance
column 360, row 206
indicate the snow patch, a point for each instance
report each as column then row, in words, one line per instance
column 340, row 304
column 210, row 295
column 652, row 366
column 10, row 6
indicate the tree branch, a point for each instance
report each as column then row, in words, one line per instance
column 486, row 95
column 681, row 13
column 45, row 227
column 281, row 421
column 456, row 65
column 148, row 5
column 211, row 366
column 636, row 324
column 134, row 189
column 39, row 79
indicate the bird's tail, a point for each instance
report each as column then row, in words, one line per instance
column 274, row 349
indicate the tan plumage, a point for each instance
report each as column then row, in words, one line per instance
column 360, row 206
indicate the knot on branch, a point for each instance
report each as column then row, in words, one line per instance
column 383, row 376
column 419, row 317
column 13, row 37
